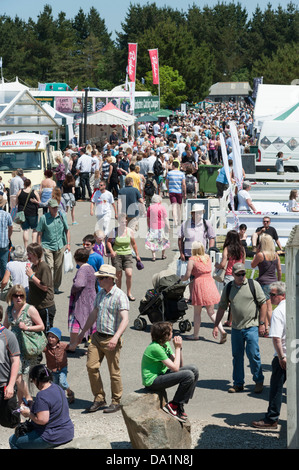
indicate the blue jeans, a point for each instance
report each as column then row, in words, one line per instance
column 32, row 440
column 246, row 340
column 278, row 378
column 4, row 252
column 60, row 378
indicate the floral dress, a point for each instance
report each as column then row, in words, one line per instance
column 25, row 364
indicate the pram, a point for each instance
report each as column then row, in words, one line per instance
column 165, row 302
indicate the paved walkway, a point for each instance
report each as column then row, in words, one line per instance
column 218, row 419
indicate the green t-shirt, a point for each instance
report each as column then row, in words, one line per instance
column 151, row 364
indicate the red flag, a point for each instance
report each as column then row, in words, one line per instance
column 132, row 61
column 155, row 65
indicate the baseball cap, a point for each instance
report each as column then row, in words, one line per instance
column 239, row 267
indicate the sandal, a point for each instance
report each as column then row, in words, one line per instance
column 131, row 298
column 191, row 338
column 71, row 398
column 164, row 257
column 223, row 338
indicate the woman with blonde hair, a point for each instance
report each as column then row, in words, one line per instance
column 204, row 291
column 21, row 316
column 60, row 171
column 268, row 263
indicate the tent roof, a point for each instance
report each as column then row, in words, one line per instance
column 57, row 115
column 20, row 111
column 147, row 118
column 110, row 115
column 230, row 89
column 163, row 113
column 272, row 100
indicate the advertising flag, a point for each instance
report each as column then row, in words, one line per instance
column 132, row 61
column 155, row 65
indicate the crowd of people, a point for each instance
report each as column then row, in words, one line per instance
column 124, row 181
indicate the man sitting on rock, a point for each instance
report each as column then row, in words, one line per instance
column 162, row 369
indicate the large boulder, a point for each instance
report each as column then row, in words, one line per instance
column 149, row 427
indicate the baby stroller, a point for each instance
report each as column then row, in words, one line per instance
column 165, row 302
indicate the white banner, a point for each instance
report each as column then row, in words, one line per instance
column 132, row 96
column 238, row 168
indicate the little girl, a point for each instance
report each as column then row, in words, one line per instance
column 97, row 180
column 56, row 357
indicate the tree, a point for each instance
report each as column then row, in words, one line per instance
column 172, row 87
column 281, row 68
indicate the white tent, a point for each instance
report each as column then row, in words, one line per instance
column 61, row 119
column 274, row 100
column 110, row 115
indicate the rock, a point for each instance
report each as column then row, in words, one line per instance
column 87, row 442
column 149, row 427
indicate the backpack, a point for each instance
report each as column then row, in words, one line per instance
column 252, row 289
column 149, row 188
column 190, row 184
column 158, row 168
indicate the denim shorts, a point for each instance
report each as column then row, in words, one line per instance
column 30, row 222
column 266, row 289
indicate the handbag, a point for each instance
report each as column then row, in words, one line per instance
column 219, row 274
column 139, row 265
column 34, row 342
column 5, row 291
column 23, row 428
column 20, row 216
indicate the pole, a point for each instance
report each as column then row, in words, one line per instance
column 85, row 113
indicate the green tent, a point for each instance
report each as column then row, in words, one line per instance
column 147, row 118
column 163, row 113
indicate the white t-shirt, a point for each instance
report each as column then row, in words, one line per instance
column 17, row 271
column 278, row 325
column 103, row 202
column 243, row 195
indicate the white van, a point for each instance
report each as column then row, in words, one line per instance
column 29, row 151
column 278, row 136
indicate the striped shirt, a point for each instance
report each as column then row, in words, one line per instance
column 109, row 305
column 175, row 178
column 5, row 222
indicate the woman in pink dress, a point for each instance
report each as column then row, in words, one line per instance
column 204, row 292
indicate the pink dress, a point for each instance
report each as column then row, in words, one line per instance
column 204, row 290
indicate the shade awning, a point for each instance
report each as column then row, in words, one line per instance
column 110, row 115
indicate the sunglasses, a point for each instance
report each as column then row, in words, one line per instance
column 18, row 295
column 104, row 277
column 240, row 274
column 272, row 294
column 266, row 221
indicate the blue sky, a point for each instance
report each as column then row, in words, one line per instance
column 113, row 12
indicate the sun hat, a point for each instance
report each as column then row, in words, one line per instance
column 198, row 208
column 106, row 270
column 56, row 332
column 18, row 254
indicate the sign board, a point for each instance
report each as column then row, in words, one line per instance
column 146, row 104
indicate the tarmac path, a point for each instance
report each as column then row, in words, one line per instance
column 219, row 420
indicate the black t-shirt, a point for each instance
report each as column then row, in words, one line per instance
column 269, row 231
column 31, row 208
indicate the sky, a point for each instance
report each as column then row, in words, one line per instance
column 114, row 12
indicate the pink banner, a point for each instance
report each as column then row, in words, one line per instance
column 155, row 65
column 132, row 61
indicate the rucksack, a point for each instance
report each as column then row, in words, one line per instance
column 252, row 289
column 190, row 184
column 149, row 188
column 158, row 168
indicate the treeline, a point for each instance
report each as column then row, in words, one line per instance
column 203, row 45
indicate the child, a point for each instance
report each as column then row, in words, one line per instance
column 95, row 259
column 56, row 358
column 161, row 369
column 97, row 180
column 100, row 247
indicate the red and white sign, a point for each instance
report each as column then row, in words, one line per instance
column 17, row 143
column 132, row 61
column 155, row 65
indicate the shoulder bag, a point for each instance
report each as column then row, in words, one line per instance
column 219, row 274
column 20, row 216
column 33, row 342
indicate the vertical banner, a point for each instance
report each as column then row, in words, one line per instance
column 132, row 61
column 132, row 96
column 155, row 65
column 238, row 168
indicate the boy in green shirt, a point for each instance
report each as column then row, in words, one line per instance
column 161, row 368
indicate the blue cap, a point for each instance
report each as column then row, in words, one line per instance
column 56, row 332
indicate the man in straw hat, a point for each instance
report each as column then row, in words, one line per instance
column 111, row 314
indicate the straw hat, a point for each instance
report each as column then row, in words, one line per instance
column 19, row 254
column 106, row 270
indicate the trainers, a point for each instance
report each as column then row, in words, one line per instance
column 181, row 412
column 173, row 410
column 236, row 389
column 259, row 386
